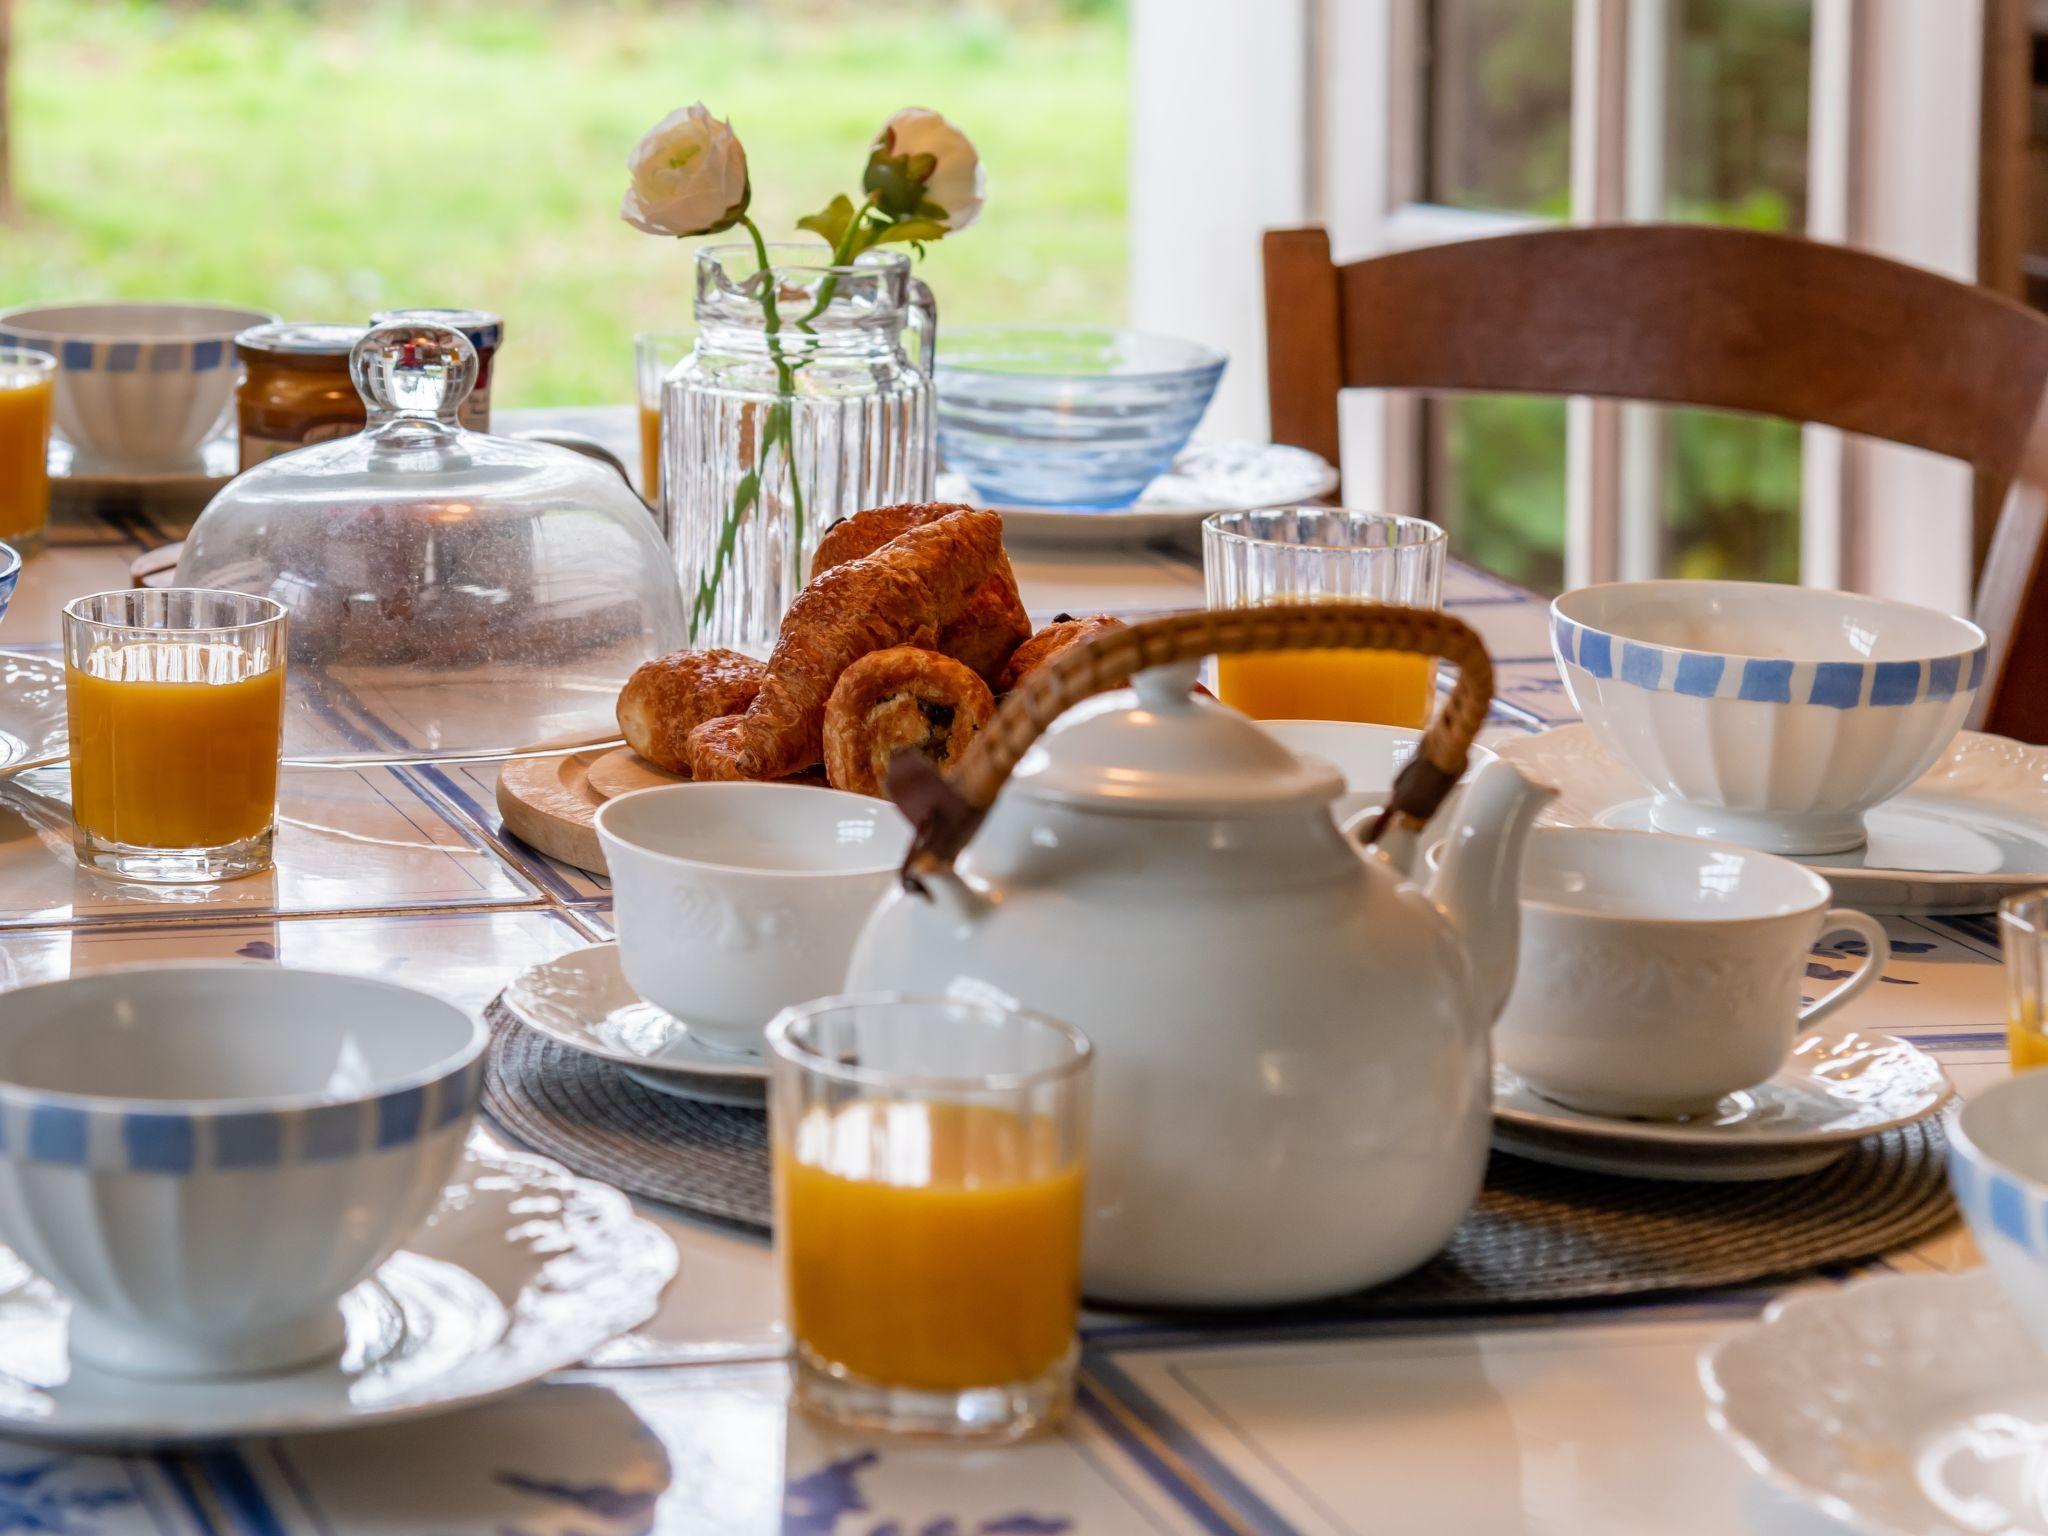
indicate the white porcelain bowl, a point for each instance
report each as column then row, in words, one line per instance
column 139, row 386
column 734, row 901
column 205, row 1157
column 1771, row 716
column 1998, row 1167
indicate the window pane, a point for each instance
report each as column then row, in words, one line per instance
column 1495, row 480
column 1739, row 73
column 1499, row 88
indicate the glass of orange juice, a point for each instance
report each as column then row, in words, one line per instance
column 175, row 700
column 28, row 383
column 2023, row 936
column 1327, row 555
column 930, row 1158
column 655, row 356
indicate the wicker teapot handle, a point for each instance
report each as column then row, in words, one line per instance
column 945, row 810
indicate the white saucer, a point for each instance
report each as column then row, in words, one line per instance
column 1205, row 478
column 523, row 1270
column 32, row 726
column 582, row 1000
column 1904, row 1405
column 1968, row 833
column 213, row 463
column 1835, row 1090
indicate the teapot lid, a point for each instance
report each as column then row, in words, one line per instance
column 1158, row 748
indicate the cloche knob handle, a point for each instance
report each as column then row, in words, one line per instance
column 413, row 369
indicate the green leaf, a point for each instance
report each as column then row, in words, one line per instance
column 831, row 220
column 914, row 231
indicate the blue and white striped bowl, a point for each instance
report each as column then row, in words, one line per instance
column 139, row 385
column 204, row 1157
column 1772, row 716
column 10, row 573
column 1998, row 1168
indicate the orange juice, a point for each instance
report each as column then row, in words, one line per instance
column 2025, row 1043
column 650, row 453
column 174, row 744
column 956, row 1265
column 1385, row 687
column 24, row 460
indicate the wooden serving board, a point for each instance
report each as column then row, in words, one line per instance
column 550, row 803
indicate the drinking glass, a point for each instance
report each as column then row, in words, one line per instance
column 1329, row 555
column 930, row 1157
column 175, row 700
column 28, row 385
column 2023, row 935
column 655, row 356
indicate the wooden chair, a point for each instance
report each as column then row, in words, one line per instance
column 1693, row 315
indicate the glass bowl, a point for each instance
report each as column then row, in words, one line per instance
column 1066, row 416
column 452, row 594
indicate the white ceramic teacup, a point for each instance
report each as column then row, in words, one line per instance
column 734, row 901
column 1658, row 973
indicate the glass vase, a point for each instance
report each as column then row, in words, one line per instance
column 799, row 404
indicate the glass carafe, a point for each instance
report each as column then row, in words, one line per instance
column 799, row 404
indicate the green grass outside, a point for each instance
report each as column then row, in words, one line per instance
column 325, row 161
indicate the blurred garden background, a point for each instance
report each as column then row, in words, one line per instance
column 324, row 158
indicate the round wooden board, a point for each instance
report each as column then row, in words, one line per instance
column 547, row 803
column 622, row 770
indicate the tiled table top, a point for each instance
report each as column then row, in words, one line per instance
column 1583, row 1421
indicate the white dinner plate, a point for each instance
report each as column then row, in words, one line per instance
column 1903, row 1405
column 1968, row 833
column 32, row 727
column 524, row 1269
column 213, row 464
column 583, row 1001
column 1833, row 1091
column 1205, row 478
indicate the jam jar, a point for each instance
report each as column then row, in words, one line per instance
column 295, row 387
column 484, row 331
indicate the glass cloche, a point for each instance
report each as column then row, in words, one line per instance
column 452, row 594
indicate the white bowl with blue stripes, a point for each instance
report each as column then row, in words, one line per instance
column 139, row 385
column 1998, row 1168
column 1771, row 716
column 203, row 1158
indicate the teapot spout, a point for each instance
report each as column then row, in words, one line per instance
column 1478, row 883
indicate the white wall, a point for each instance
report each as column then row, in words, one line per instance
column 1218, row 154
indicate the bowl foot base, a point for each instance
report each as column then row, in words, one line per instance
column 128, row 1348
column 1764, row 832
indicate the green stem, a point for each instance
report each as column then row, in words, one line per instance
column 842, row 253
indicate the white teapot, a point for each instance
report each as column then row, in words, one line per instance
column 1293, row 1086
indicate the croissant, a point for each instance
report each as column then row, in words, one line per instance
column 901, row 699
column 869, row 604
column 994, row 623
column 1062, row 634
column 667, row 698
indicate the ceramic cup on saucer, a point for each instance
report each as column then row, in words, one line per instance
column 734, row 901
column 1659, row 973
column 204, row 1157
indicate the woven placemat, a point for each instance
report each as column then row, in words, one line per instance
column 1538, row 1234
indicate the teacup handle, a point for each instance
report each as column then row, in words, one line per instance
column 1876, row 948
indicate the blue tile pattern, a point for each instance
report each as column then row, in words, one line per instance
column 1768, row 680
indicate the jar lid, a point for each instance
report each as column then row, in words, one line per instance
column 484, row 328
column 305, row 343
column 1162, row 750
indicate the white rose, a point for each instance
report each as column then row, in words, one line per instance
column 955, row 183
column 689, row 176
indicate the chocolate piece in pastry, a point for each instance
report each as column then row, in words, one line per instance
column 1060, row 635
column 667, row 698
column 994, row 623
column 903, row 594
column 901, row 699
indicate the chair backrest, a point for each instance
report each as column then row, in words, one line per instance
column 1693, row 315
